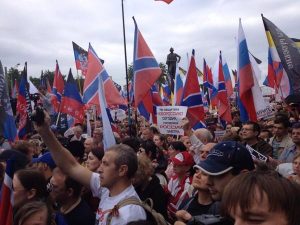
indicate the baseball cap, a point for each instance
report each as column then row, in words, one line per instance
column 183, row 159
column 45, row 158
column 226, row 156
column 19, row 159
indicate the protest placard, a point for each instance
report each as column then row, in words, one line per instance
column 169, row 119
column 118, row 114
column 219, row 133
column 266, row 113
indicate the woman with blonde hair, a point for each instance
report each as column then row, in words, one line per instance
column 35, row 212
column 296, row 168
column 147, row 185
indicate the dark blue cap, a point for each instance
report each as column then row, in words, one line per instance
column 226, row 156
column 46, row 158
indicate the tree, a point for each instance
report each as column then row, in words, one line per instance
column 35, row 81
column 12, row 75
column 162, row 78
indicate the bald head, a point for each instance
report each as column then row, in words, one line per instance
column 88, row 144
column 204, row 135
column 77, row 131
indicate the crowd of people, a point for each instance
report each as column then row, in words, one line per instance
column 249, row 175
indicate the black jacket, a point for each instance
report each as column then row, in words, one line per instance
column 154, row 191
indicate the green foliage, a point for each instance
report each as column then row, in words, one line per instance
column 12, row 75
column 162, row 78
column 36, row 81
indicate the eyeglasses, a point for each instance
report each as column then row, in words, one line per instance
column 141, row 150
column 246, row 129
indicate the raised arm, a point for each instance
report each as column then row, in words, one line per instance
column 62, row 157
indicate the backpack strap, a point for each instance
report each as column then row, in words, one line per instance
column 115, row 210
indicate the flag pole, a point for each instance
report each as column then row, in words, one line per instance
column 58, row 115
column 78, row 81
column 126, row 72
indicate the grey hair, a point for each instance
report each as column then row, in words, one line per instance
column 203, row 133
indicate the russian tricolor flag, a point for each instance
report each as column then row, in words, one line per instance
column 227, row 77
column 245, row 80
column 178, row 87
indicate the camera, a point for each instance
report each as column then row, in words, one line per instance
column 206, row 219
column 38, row 116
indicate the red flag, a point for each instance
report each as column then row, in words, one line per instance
column 91, row 83
column 192, row 97
column 145, row 67
column 166, row 1
column 6, row 216
column 71, row 102
column 223, row 103
column 24, row 106
column 58, row 88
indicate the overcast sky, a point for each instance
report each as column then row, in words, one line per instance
column 41, row 31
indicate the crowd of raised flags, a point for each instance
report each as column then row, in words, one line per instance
column 146, row 94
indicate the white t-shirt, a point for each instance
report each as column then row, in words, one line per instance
column 127, row 213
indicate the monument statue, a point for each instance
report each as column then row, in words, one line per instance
column 172, row 59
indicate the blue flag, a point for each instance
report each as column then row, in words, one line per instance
column 7, row 120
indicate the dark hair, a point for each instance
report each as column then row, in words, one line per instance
column 98, row 152
column 29, row 209
column 178, row 146
column 125, row 156
column 296, row 125
column 282, row 194
column 154, row 130
column 236, row 113
column 256, row 127
column 269, row 132
column 33, row 179
column 282, row 116
column 76, row 186
column 163, row 139
column 282, row 120
column 76, row 148
column 150, row 149
column 132, row 142
column 231, row 137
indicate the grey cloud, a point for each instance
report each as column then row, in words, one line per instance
column 40, row 31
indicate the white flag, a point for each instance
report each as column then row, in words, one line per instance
column 108, row 136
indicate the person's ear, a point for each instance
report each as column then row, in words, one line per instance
column 244, row 171
column 123, row 169
column 31, row 193
column 70, row 192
